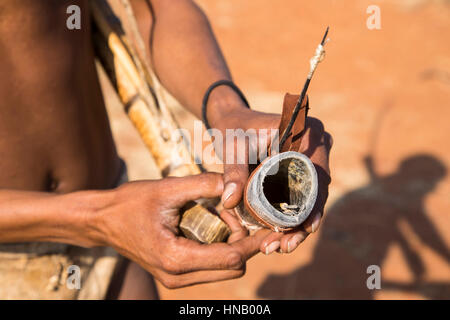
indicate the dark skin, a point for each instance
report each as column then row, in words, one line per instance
column 56, row 142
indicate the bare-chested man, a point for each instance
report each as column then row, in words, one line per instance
column 59, row 168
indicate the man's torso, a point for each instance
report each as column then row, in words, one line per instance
column 54, row 131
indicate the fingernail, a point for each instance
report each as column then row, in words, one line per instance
column 316, row 222
column 272, row 247
column 230, row 188
column 294, row 242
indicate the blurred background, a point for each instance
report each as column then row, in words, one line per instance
column 384, row 95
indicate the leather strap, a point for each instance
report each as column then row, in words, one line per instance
column 294, row 139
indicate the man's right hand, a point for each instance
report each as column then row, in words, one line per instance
column 141, row 223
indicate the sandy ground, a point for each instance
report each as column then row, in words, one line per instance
column 381, row 93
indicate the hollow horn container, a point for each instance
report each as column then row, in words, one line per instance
column 280, row 193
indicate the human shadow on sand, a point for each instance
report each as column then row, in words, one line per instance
column 359, row 229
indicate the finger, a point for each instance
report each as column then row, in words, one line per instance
column 182, row 190
column 249, row 246
column 184, row 255
column 235, row 176
column 238, row 232
column 271, row 243
column 187, row 255
column 312, row 224
column 290, row 241
column 198, row 277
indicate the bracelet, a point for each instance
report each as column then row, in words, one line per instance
column 208, row 93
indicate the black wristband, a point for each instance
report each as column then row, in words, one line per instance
column 211, row 88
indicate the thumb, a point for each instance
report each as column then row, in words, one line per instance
column 235, row 176
column 184, row 189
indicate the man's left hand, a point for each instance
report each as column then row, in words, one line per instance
column 316, row 144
